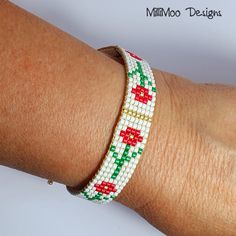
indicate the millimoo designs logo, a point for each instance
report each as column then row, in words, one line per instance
column 190, row 11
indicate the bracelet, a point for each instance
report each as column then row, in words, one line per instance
column 131, row 131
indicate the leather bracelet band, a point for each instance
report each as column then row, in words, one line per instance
column 130, row 134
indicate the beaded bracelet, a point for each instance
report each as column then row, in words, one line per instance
column 131, row 131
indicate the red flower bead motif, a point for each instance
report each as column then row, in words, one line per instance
column 105, row 187
column 134, row 56
column 141, row 94
column 131, row 136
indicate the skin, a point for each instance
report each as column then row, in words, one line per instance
column 58, row 111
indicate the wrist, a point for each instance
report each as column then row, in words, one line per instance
column 140, row 189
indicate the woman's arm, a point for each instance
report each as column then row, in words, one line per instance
column 58, row 105
column 60, row 100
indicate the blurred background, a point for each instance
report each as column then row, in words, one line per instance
column 198, row 48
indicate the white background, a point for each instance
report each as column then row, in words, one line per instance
column 198, row 48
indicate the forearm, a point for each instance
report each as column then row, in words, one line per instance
column 56, row 94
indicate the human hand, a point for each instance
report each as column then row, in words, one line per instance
column 185, row 181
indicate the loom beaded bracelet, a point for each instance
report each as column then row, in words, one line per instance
column 131, row 131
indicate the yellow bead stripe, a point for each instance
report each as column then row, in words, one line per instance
column 137, row 115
